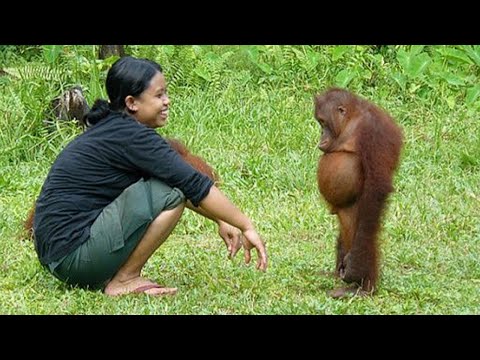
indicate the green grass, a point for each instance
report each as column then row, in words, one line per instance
column 262, row 141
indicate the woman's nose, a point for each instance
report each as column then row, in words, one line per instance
column 166, row 100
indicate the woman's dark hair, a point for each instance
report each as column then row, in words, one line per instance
column 127, row 76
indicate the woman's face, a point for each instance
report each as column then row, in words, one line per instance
column 151, row 106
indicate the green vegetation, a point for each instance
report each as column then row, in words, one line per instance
column 248, row 110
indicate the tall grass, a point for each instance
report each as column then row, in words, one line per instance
column 249, row 111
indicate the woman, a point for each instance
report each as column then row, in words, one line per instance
column 116, row 192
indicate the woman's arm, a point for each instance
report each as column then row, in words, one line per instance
column 219, row 207
column 201, row 211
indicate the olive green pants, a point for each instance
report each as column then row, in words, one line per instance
column 115, row 234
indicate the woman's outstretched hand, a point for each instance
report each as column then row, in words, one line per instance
column 231, row 236
column 251, row 240
column 234, row 239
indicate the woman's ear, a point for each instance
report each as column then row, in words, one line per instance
column 131, row 104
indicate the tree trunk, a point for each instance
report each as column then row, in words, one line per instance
column 110, row 50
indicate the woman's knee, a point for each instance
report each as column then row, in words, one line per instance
column 163, row 197
column 170, row 215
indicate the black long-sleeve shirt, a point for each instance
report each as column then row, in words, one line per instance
column 93, row 170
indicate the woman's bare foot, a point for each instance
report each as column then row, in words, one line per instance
column 137, row 285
